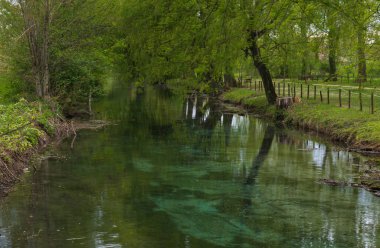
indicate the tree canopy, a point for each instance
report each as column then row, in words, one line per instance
column 66, row 49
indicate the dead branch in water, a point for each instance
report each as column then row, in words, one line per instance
column 75, row 135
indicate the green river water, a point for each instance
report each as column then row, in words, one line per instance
column 174, row 172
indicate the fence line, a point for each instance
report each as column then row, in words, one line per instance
column 340, row 97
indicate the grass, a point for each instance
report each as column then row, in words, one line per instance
column 358, row 129
column 237, row 95
column 354, row 94
column 4, row 88
column 22, row 126
column 252, row 100
column 22, row 123
column 10, row 89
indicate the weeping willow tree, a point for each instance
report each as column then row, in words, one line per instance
column 199, row 39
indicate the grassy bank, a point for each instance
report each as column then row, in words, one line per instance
column 24, row 128
column 253, row 101
column 358, row 130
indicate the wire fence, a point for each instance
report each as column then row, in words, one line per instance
column 338, row 78
column 362, row 99
column 347, row 79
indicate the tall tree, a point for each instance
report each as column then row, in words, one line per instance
column 262, row 18
column 332, row 41
column 62, row 48
column 359, row 15
column 37, row 16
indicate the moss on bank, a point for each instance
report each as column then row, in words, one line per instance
column 24, row 128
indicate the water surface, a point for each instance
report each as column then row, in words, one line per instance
column 177, row 172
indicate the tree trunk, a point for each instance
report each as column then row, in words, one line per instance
column 305, row 50
column 332, row 67
column 362, row 65
column 332, row 45
column 229, row 80
column 37, row 33
column 262, row 67
column 332, row 55
column 45, row 50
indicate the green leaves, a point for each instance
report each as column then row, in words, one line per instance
column 20, row 126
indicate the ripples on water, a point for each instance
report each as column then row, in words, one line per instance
column 177, row 172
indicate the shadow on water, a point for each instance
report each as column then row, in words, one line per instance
column 253, row 173
column 261, row 156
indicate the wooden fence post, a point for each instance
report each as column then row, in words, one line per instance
column 349, row 98
column 372, row 104
column 340, row 97
column 308, row 91
column 328, row 95
column 320, row 93
column 301, row 91
column 288, row 89
column 315, row 92
column 360, row 101
column 283, row 88
column 255, row 85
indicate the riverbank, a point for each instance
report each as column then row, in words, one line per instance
column 26, row 128
column 358, row 131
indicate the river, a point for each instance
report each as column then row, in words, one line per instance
column 177, row 172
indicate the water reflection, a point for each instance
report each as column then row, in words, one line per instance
column 261, row 156
column 178, row 172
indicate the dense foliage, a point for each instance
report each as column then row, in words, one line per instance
column 210, row 41
column 60, row 49
column 67, row 49
column 22, row 125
